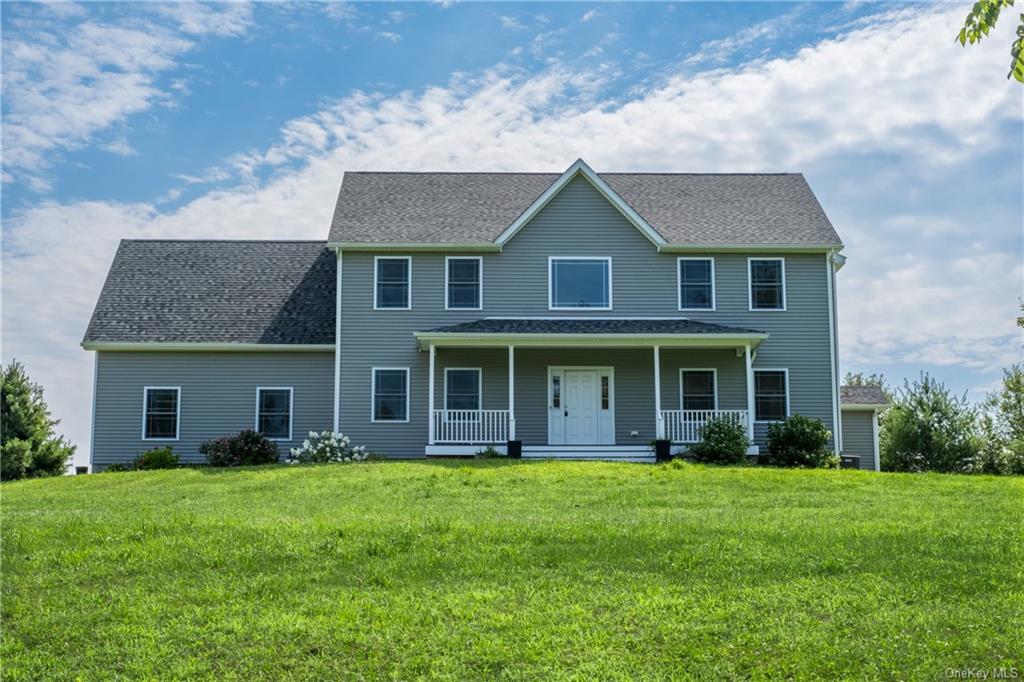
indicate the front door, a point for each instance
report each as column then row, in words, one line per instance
column 580, row 407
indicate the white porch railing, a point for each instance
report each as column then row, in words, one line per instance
column 470, row 426
column 683, row 426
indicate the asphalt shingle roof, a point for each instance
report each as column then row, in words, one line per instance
column 269, row 292
column 589, row 326
column 685, row 208
column 862, row 395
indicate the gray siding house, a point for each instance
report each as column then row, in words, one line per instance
column 579, row 315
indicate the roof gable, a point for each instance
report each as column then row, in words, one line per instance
column 581, row 169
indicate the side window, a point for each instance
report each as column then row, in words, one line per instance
column 461, row 389
column 698, row 386
column 274, row 413
column 771, row 402
column 390, row 394
column 696, row 283
column 160, row 412
column 767, row 283
column 392, row 283
column 463, row 283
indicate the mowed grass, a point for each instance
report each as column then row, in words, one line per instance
column 485, row 570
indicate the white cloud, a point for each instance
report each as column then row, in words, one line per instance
column 397, row 16
column 389, row 36
column 339, row 10
column 196, row 18
column 588, row 15
column 121, row 147
column 865, row 92
column 510, row 23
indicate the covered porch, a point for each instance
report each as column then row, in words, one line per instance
column 584, row 387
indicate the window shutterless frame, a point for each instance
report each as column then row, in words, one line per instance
column 682, row 385
column 479, row 282
column 679, row 281
column 291, row 407
column 408, row 281
column 551, row 285
column 177, row 411
column 479, row 384
column 373, row 395
column 750, row 285
column 785, row 380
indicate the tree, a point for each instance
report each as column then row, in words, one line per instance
column 1020, row 318
column 1001, row 425
column 28, row 445
column 861, row 379
column 929, row 429
column 979, row 22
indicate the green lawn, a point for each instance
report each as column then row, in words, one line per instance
column 523, row 570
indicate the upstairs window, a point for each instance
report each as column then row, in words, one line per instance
column 580, row 283
column 463, row 283
column 767, row 284
column 698, row 386
column 771, row 402
column 274, row 413
column 160, row 417
column 696, row 284
column 390, row 394
column 393, row 283
column 461, row 389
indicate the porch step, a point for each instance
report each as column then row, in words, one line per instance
column 614, row 453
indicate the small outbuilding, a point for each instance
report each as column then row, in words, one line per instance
column 860, row 407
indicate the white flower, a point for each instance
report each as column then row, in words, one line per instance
column 312, row 434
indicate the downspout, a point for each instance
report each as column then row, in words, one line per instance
column 837, row 424
column 337, row 344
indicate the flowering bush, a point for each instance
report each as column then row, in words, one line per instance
column 242, row 449
column 327, row 447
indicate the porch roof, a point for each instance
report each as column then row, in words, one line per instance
column 593, row 331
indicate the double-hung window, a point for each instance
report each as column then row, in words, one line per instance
column 463, row 283
column 274, row 413
column 580, row 283
column 698, row 389
column 390, row 394
column 696, row 283
column 771, row 401
column 160, row 412
column 767, row 283
column 392, row 282
column 461, row 389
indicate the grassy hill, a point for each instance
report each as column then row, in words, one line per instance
column 513, row 570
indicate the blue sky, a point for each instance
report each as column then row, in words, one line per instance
column 236, row 120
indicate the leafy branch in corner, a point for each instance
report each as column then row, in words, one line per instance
column 981, row 19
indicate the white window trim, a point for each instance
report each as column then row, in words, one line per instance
column 376, row 261
column 611, row 288
column 291, row 410
column 479, row 281
column 750, row 286
column 679, row 284
column 177, row 414
column 714, row 383
column 479, row 383
column 785, row 372
column 373, row 395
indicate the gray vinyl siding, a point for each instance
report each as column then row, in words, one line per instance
column 218, row 397
column 578, row 222
column 858, row 437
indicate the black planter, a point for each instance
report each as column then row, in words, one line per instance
column 661, row 450
column 515, row 449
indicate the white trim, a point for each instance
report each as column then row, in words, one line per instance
column 200, row 346
column 373, row 395
column 479, row 281
column 579, row 167
column 551, row 261
column 862, row 407
column 511, row 392
column 454, row 450
column 748, row 248
column 478, row 340
column 432, row 430
column 874, row 440
column 491, row 247
column 408, row 259
column 337, row 343
column 750, row 286
column 679, row 284
column 785, row 372
column 479, row 385
column 291, row 410
column 486, row 247
column 714, row 383
column 837, row 422
column 92, row 428
column 177, row 412
column 659, row 418
column 748, row 360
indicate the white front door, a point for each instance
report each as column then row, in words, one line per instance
column 580, row 407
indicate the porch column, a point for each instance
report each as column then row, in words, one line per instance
column 430, row 397
column 511, row 392
column 750, row 393
column 659, row 428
